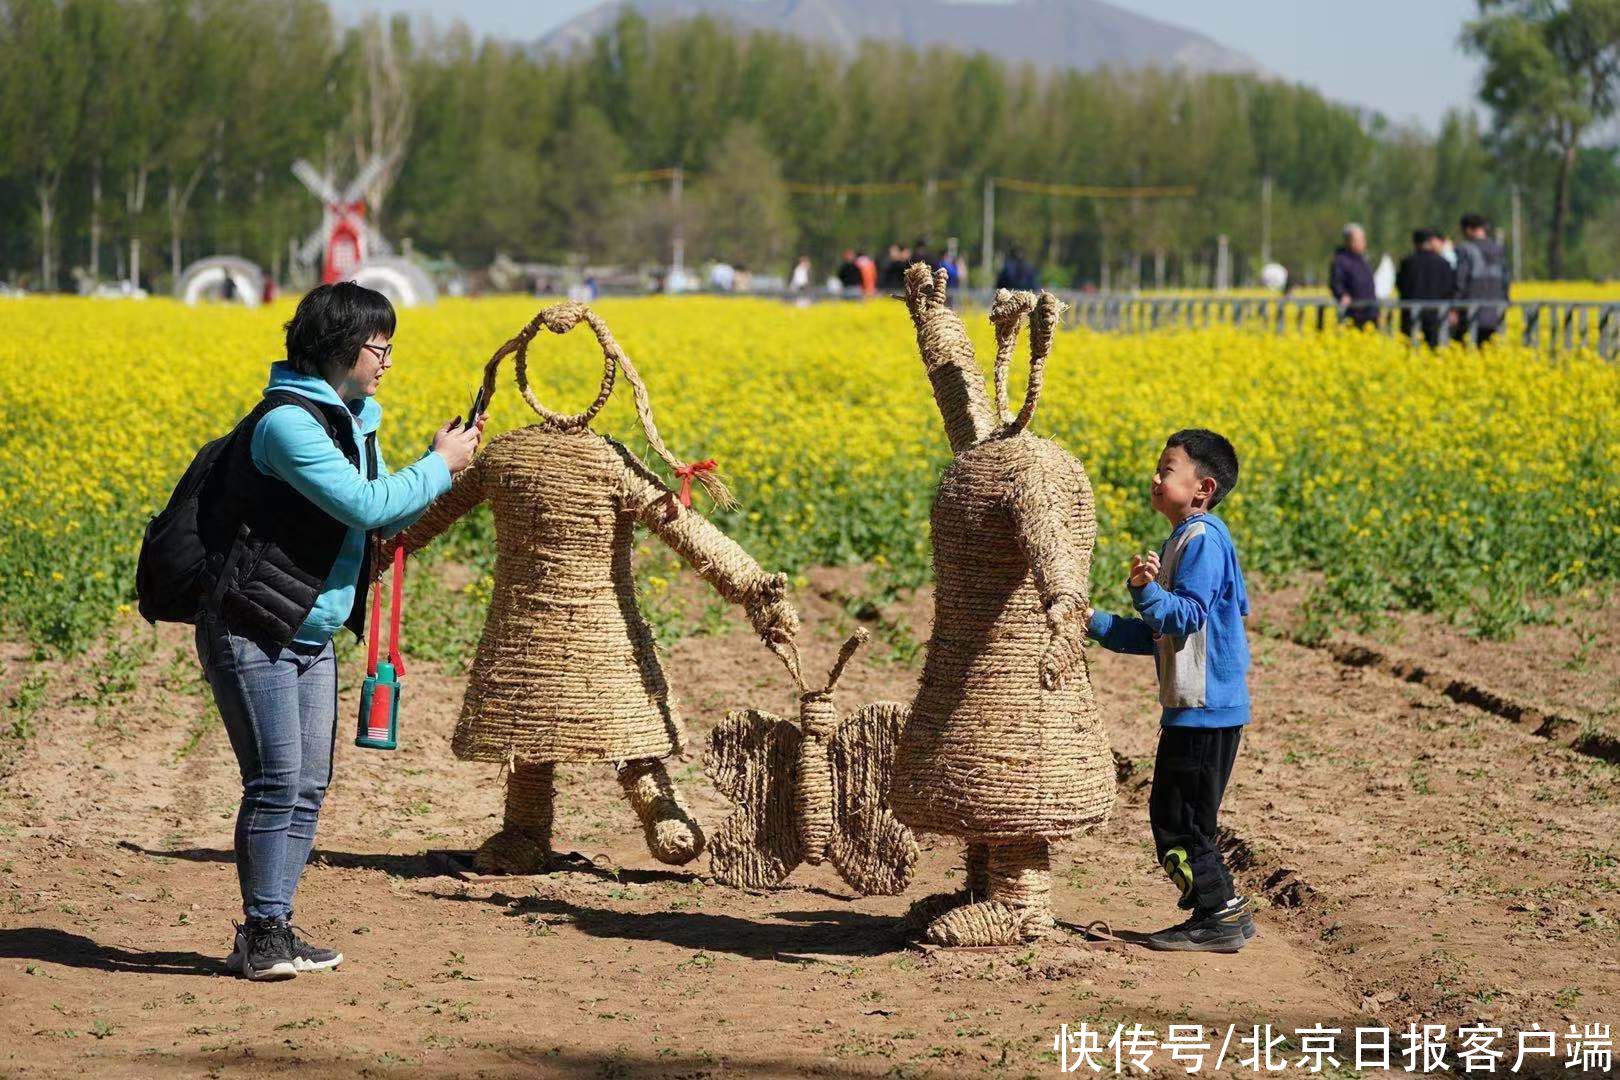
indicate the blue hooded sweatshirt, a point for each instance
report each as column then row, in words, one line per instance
column 1191, row 621
column 291, row 445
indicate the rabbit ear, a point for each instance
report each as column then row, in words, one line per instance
column 1008, row 310
column 920, row 292
column 1043, row 320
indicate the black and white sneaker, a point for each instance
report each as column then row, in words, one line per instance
column 1237, row 905
column 1210, row 931
column 238, row 948
column 264, row 951
column 307, row 957
column 1240, row 910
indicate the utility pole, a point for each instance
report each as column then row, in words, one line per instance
column 989, row 229
column 1223, row 264
column 677, row 262
column 1518, row 236
column 1265, row 220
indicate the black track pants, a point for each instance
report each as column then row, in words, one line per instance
column 1190, row 773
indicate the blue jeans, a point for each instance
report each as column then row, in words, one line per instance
column 279, row 705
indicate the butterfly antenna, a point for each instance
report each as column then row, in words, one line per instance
column 860, row 637
column 788, row 653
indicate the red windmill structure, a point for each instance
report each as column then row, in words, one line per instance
column 344, row 235
column 349, row 247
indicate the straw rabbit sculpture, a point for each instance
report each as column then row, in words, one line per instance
column 1003, row 748
column 566, row 669
column 811, row 791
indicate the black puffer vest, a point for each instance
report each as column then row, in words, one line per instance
column 276, row 546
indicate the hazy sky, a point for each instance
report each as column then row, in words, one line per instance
column 1397, row 56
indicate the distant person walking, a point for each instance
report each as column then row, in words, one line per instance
column 868, row 271
column 1350, row 279
column 800, row 281
column 894, row 269
column 1426, row 275
column 1017, row 272
column 849, row 275
column 1482, row 274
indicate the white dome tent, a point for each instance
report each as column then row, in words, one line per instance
column 402, row 281
column 206, row 279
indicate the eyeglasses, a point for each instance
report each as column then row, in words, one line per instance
column 383, row 352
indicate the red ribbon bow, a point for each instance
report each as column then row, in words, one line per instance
column 686, row 472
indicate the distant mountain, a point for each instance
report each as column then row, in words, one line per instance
column 1080, row 34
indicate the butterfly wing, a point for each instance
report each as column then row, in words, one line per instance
column 753, row 760
column 873, row 851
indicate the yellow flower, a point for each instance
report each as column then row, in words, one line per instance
column 825, row 426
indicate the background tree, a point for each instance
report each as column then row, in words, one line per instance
column 584, row 201
column 743, row 207
column 1550, row 76
column 187, row 115
column 44, row 84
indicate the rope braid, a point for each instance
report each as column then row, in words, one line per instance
column 561, row 318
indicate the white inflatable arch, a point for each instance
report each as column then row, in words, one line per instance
column 402, row 281
column 205, row 280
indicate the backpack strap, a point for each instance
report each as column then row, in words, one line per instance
column 277, row 398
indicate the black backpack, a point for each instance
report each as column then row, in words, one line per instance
column 177, row 566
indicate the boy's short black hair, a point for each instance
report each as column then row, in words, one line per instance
column 1212, row 455
column 332, row 322
column 1474, row 221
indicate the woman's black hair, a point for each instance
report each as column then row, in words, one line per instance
column 332, row 322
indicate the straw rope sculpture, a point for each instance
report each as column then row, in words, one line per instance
column 566, row 669
column 811, row 791
column 1003, row 748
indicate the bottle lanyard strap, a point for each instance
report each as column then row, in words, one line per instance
column 396, row 598
column 397, row 601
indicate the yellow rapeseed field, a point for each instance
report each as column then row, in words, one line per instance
column 1468, row 482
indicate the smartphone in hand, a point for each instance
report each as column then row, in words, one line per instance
column 476, row 409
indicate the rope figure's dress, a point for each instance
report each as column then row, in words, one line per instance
column 1004, row 747
column 566, row 669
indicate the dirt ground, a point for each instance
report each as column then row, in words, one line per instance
column 1416, row 859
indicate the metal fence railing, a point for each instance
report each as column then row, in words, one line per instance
column 1551, row 325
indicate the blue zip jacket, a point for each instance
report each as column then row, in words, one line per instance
column 1191, row 621
column 291, row 445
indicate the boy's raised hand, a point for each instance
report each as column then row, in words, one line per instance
column 1144, row 568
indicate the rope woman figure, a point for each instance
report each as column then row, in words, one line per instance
column 1004, row 748
column 566, row 669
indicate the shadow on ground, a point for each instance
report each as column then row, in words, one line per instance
column 801, row 937
column 76, row 950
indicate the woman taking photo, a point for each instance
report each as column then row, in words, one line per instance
column 305, row 489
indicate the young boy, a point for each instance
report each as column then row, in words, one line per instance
column 1191, row 604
